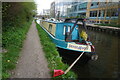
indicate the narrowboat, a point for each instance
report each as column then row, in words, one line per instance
column 68, row 35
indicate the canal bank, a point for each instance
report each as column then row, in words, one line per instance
column 105, row 29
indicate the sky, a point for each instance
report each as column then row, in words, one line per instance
column 43, row 4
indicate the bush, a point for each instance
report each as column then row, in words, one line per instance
column 16, row 20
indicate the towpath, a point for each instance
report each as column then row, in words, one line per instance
column 32, row 62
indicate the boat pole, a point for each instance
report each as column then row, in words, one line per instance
column 60, row 72
column 75, row 60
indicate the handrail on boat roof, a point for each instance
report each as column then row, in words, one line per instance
column 76, row 19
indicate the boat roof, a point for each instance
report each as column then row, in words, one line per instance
column 53, row 21
column 67, row 20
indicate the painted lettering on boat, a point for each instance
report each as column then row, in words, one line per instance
column 78, row 47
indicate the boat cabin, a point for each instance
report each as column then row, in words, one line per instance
column 66, row 30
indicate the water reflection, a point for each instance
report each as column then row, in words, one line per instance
column 107, row 47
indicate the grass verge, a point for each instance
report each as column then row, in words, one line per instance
column 52, row 55
column 12, row 41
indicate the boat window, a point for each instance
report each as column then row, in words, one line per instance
column 64, row 30
column 69, row 28
column 50, row 28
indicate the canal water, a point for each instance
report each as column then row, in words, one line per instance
column 107, row 66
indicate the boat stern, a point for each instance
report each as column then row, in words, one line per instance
column 89, row 48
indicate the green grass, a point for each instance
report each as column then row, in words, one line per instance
column 0, row 66
column 112, row 25
column 52, row 55
column 12, row 41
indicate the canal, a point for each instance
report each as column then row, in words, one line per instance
column 107, row 47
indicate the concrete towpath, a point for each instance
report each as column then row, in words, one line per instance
column 32, row 62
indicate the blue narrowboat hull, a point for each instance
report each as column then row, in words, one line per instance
column 67, row 45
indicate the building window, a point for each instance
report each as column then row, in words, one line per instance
column 93, row 13
column 97, row 3
column 83, row 6
column 92, row 4
column 116, row 14
column 99, row 13
column 75, row 8
column 103, row 13
column 108, row 14
column 112, row 12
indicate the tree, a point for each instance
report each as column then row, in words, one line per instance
column 15, row 14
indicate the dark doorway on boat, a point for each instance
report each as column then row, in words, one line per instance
column 67, row 30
